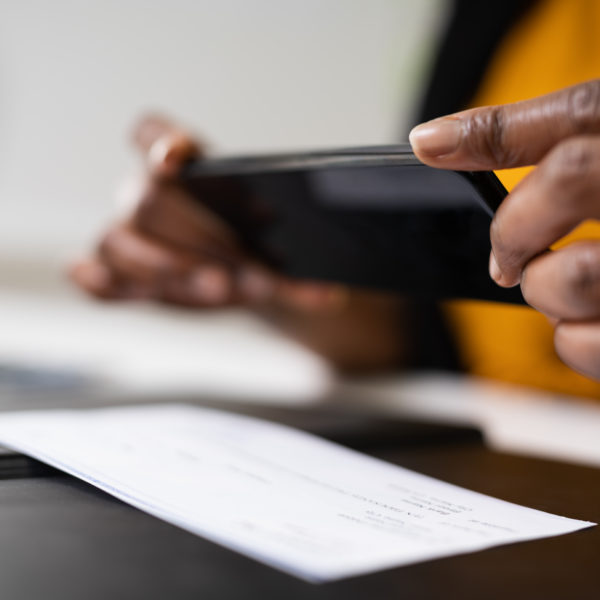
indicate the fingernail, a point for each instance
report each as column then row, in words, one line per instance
column 158, row 150
column 437, row 137
column 210, row 284
column 495, row 272
column 255, row 284
column 163, row 156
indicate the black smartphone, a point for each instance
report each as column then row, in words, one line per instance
column 371, row 217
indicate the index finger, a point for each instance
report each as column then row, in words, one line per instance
column 509, row 135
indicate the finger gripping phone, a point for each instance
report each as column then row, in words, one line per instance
column 372, row 217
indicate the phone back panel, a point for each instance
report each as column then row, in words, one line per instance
column 373, row 218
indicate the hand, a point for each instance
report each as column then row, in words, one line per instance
column 169, row 249
column 560, row 132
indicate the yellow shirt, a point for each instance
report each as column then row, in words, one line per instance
column 556, row 45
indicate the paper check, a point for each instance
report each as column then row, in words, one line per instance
column 291, row 500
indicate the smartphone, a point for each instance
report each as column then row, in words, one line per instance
column 372, row 217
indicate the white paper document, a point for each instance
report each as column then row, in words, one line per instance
column 286, row 498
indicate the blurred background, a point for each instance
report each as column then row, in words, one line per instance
column 248, row 77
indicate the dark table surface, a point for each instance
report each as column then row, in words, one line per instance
column 63, row 539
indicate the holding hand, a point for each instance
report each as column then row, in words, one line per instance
column 560, row 132
column 169, row 248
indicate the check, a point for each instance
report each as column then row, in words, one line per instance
column 291, row 500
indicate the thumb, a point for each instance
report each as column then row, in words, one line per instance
column 509, row 135
column 164, row 146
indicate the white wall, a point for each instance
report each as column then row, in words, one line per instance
column 249, row 74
